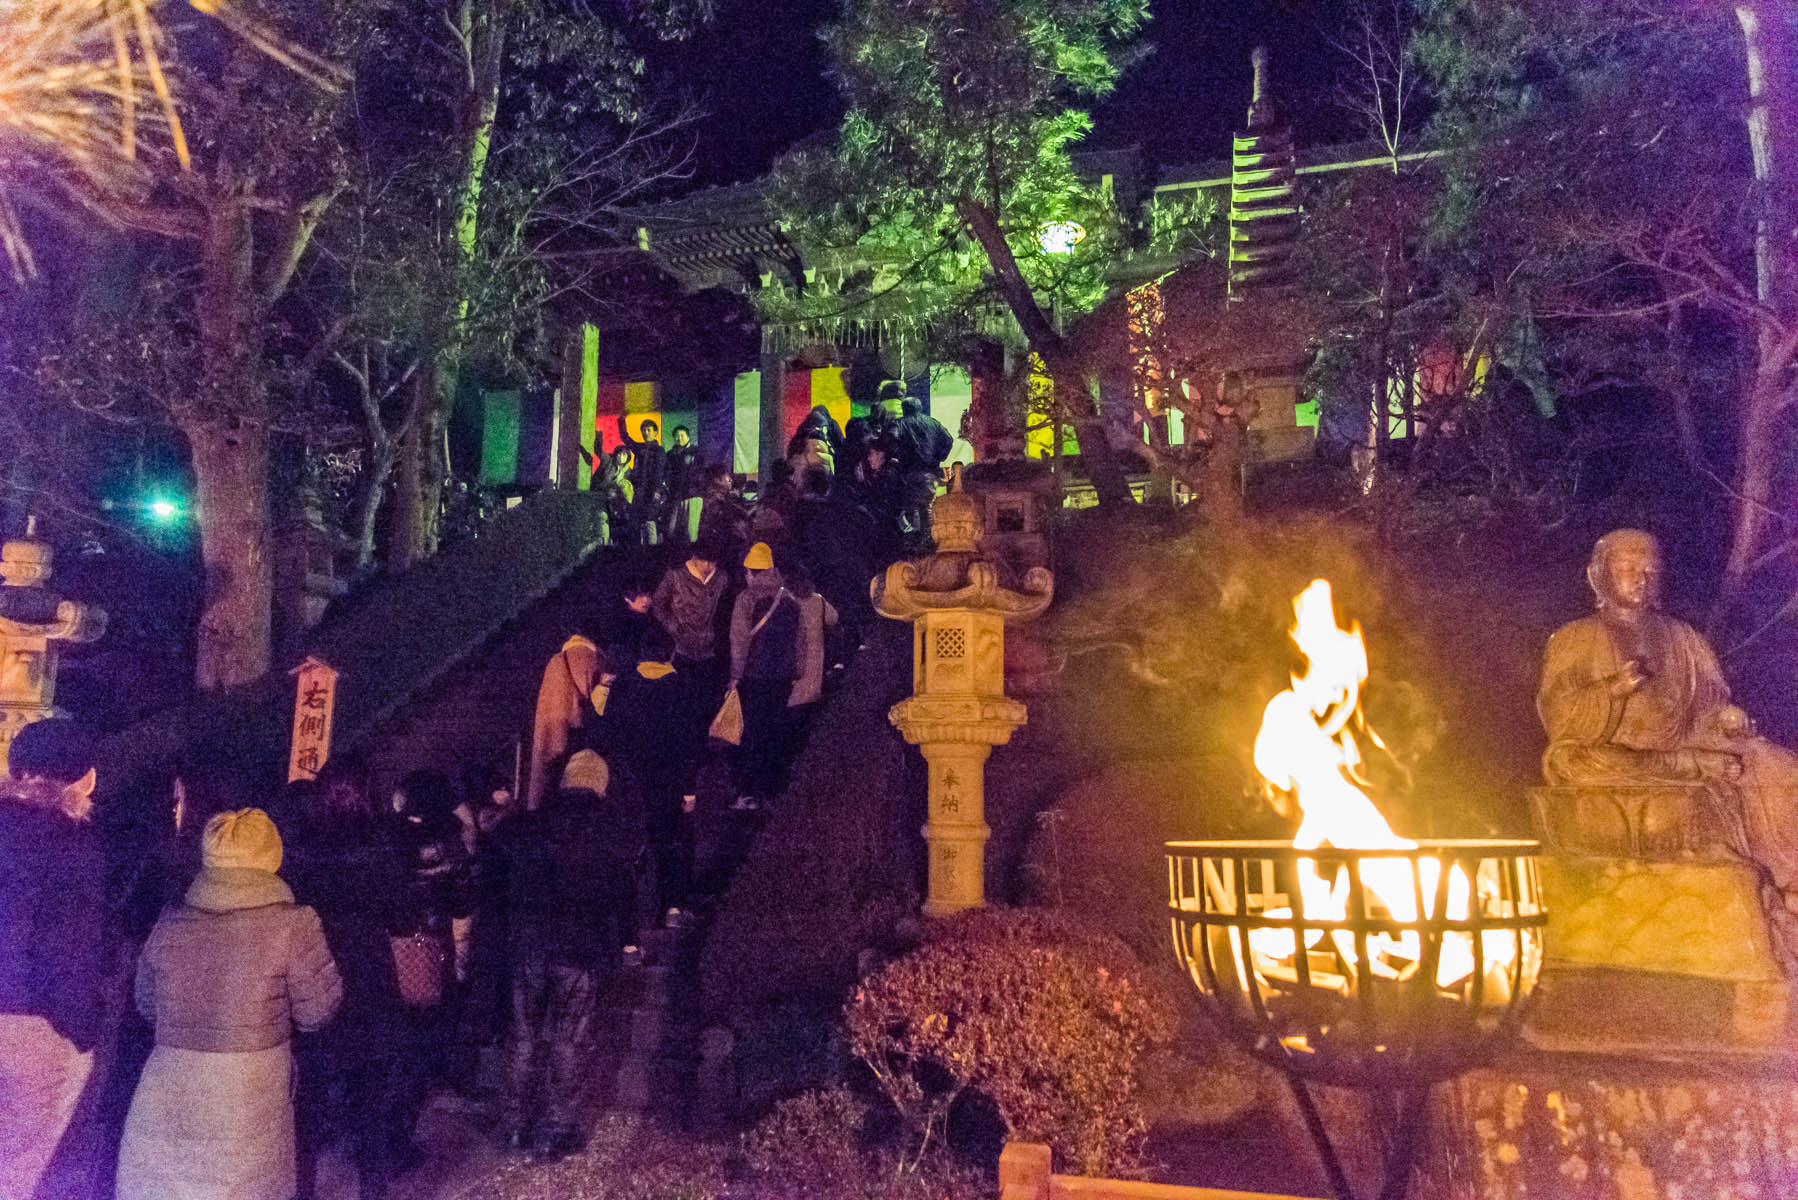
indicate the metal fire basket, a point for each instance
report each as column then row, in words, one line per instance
column 1338, row 1008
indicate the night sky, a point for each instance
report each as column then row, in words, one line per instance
column 759, row 70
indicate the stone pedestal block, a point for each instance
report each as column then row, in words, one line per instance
column 1699, row 918
column 1656, row 934
column 1653, row 823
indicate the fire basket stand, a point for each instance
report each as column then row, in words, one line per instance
column 1387, row 970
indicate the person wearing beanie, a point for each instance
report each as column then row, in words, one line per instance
column 572, row 900
column 570, row 700
column 764, row 662
column 52, row 970
column 224, row 979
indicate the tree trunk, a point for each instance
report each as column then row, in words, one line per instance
column 231, row 502
column 1222, row 499
column 1072, row 389
column 1757, row 463
column 482, row 30
column 412, row 495
column 227, row 434
column 368, row 502
column 1772, row 61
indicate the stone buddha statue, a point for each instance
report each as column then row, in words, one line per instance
column 1631, row 698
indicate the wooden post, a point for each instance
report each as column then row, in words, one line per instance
column 1024, row 1171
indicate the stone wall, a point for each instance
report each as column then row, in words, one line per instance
column 1621, row 1127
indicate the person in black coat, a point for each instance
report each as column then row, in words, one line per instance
column 649, row 481
column 862, row 432
column 572, row 900
column 627, row 632
column 923, row 443
column 337, row 863
column 837, row 541
column 684, row 485
column 52, row 967
column 818, row 426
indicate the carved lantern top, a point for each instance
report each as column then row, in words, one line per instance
column 27, row 608
column 955, row 518
column 954, row 576
column 26, row 562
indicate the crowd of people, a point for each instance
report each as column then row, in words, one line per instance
column 885, row 464
column 154, row 972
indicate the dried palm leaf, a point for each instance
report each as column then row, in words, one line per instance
column 81, row 85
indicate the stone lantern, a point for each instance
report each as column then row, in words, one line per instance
column 33, row 620
column 1017, row 497
column 958, row 603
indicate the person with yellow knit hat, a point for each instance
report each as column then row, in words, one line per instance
column 225, row 978
column 764, row 662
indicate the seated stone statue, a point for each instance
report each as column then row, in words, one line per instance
column 1632, row 697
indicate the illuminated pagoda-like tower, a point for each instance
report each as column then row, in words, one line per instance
column 1264, row 233
column 1264, row 206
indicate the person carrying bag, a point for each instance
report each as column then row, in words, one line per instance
column 764, row 656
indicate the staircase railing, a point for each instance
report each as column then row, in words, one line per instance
column 388, row 643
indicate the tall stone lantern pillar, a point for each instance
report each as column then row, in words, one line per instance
column 33, row 620
column 958, row 605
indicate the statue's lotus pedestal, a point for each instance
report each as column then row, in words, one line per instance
column 1657, row 937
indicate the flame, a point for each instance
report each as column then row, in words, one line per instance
column 1308, row 753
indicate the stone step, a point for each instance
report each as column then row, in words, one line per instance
column 641, row 1083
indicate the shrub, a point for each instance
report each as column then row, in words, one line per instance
column 810, row 1145
column 1042, row 1016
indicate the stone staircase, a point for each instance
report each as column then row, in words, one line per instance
column 481, row 708
column 646, row 1060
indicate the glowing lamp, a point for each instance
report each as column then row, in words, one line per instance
column 163, row 511
column 1060, row 237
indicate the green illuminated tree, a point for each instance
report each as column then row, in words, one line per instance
column 509, row 96
column 952, row 161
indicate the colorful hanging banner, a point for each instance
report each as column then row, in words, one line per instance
column 746, row 424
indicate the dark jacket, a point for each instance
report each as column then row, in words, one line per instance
column 342, row 869
column 650, row 475
column 437, row 874
column 818, row 425
column 52, row 911
column 608, row 473
column 840, row 541
column 569, row 861
column 770, row 653
column 236, row 967
column 923, row 443
column 688, row 610
column 683, row 472
column 859, row 434
column 628, row 638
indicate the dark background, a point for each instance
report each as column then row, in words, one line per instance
column 759, row 72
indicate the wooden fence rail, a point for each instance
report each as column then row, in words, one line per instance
column 1025, row 1174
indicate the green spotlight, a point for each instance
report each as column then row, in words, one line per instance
column 163, row 511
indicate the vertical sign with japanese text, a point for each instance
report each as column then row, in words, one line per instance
column 315, row 697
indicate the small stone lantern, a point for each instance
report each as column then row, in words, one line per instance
column 959, row 604
column 33, row 620
column 1017, row 497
